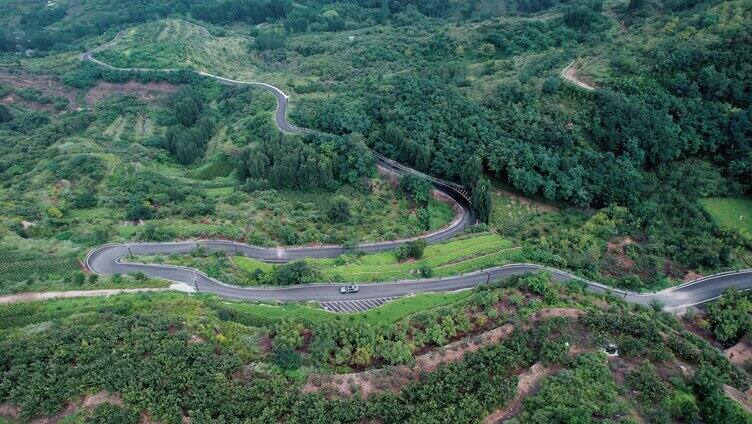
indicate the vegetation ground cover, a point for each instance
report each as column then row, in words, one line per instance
column 309, row 54
column 464, row 90
column 457, row 256
column 102, row 174
column 731, row 213
column 486, row 79
column 236, row 346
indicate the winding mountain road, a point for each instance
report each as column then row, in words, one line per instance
column 108, row 259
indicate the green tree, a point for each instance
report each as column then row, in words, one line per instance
column 339, row 209
column 730, row 317
column 481, row 200
column 297, row 272
column 5, row 115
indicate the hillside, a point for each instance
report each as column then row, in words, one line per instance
column 546, row 207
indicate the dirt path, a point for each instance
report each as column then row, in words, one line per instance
column 526, row 383
column 738, row 396
column 570, row 74
column 31, row 297
column 369, row 383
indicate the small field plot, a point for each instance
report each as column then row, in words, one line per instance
column 731, row 213
column 512, row 212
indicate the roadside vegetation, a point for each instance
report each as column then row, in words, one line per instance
column 460, row 255
column 466, row 92
column 266, row 362
column 161, row 164
column 641, row 183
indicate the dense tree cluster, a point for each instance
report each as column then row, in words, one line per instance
column 410, row 250
column 187, row 139
column 317, row 162
column 167, row 365
column 146, row 194
column 730, row 317
column 250, row 11
column 58, row 25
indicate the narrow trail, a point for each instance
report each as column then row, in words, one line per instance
column 107, row 259
column 570, row 74
column 37, row 296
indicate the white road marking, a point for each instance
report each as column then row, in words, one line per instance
column 354, row 306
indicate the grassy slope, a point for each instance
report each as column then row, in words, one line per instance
column 175, row 43
column 451, row 258
column 731, row 213
column 194, row 307
column 382, row 316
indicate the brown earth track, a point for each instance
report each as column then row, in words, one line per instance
column 392, row 379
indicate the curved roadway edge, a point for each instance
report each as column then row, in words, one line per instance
column 107, row 259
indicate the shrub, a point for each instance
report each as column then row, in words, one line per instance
column 645, row 380
column 411, row 249
column 425, row 271
column 339, row 209
column 111, row 414
column 296, row 272
column 287, row 334
column 286, row 358
column 79, row 278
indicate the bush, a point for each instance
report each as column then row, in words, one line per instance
column 411, row 249
column 286, row 358
column 287, row 334
column 339, row 209
column 646, row 381
column 79, row 278
column 5, row 115
column 425, row 271
column 296, row 272
column 418, row 189
column 730, row 316
column 270, row 40
column 156, row 232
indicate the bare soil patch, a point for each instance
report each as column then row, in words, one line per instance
column 527, row 382
column 195, row 339
column 151, row 92
column 556, row 312
column 544, row 207
column 619, row 262
column 739, row 353
column 9, row 411
column 12, row 99
column 738, row 396
column 48, row 85
column 31, row 297
column 691, row 276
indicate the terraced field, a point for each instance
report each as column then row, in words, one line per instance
column 174, row 43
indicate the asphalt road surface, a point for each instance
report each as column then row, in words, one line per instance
column 108, row 259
